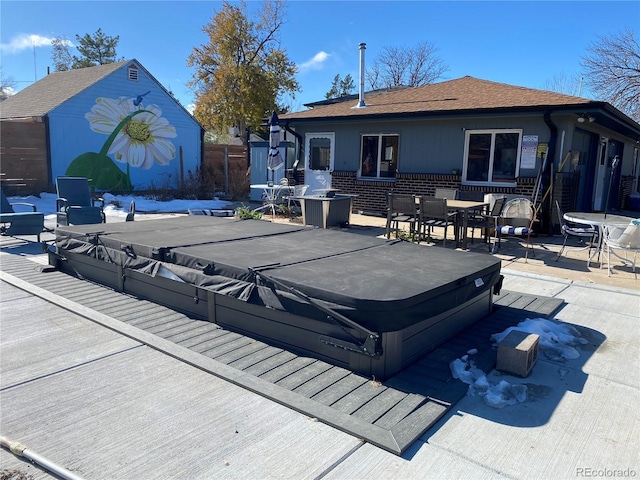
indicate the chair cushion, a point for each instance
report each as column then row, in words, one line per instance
column 509, row 230
column 83, row 215
column 23, row 223
column 579, row 231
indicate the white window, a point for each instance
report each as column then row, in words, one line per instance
column 379, row 156
column 492, row 156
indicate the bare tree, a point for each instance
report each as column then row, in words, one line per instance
column 61, row 54
column 413, row 67
column 7, row 86
column 561, row 83
column 613, row 71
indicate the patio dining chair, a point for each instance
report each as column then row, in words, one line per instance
column 401, row 208
column 448, row 193
column 586, row 234
column 433, row 212
column 25, row 221
column 624, row 238
column 488, row 222
column 76, row 204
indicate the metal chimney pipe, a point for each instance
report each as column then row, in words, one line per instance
column 363, row 47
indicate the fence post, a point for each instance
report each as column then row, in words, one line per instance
column 181, row 169
column 226, row 170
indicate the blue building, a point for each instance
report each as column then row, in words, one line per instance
column 115, row 124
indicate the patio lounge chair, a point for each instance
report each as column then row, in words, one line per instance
column 29, row 222
column 75, row 204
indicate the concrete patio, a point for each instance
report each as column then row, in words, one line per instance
column 104, row 405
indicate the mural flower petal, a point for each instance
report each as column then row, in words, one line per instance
column 143, row 141
column 107, row 113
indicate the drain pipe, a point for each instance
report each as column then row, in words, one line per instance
column 21, row 450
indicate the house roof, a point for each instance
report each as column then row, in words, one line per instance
column 466, row 94
column 41, row 97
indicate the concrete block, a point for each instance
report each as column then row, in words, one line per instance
column 518, row 352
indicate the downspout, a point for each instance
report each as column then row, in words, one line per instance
column 546, row 174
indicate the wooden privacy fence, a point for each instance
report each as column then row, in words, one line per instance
column 23, row 158
column 225, row 169
column 24, row 168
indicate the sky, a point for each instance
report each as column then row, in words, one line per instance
column 520, row 43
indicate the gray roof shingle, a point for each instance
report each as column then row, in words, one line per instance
column 462, row 94
column 51, row 91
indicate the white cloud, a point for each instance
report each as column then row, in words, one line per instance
column 24, row 42
column 316, row 63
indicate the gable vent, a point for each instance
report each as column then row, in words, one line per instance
column 132, row 73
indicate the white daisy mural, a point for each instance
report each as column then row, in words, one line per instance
column 139, row 137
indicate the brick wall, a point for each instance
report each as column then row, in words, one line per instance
column 372, row 195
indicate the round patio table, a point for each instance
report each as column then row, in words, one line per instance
column 597, row 220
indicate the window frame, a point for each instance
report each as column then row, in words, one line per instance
column 490, row 173
column 379, row 156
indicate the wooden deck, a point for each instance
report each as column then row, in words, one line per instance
column 391, row 415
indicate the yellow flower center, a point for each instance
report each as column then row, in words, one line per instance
column 138, row 131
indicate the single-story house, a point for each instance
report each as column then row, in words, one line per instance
column 114, row 123
column 472, row 135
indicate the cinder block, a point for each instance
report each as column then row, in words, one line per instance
column 518, row 352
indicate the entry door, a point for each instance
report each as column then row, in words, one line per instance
column 319, row 153
column 600, row 192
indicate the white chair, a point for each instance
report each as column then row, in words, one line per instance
column 517, row 219
column 622, row 237
column 297, row 192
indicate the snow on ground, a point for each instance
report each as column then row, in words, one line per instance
column 116, row 206
column 557, row 342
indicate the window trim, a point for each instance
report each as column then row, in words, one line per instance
column 493, row 132
column 377, row 177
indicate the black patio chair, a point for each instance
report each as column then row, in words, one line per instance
column 433, row 212
column 26, row 221
column 401, row 208
column 76, row 204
